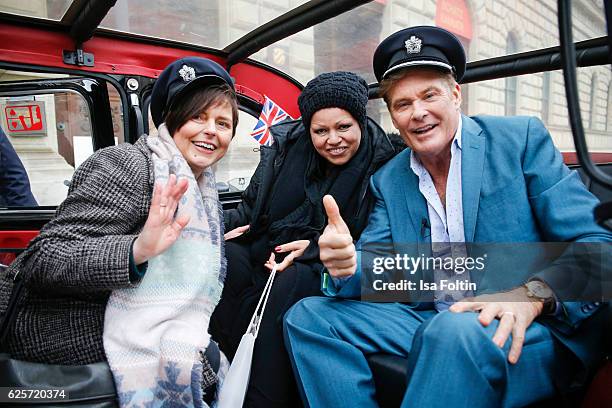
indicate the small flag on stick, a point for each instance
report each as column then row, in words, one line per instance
column 271, row 114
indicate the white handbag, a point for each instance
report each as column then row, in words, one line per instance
column 236, row 380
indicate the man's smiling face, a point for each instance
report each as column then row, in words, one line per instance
column 424, row 108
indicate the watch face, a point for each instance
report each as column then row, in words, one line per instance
column 539, row 289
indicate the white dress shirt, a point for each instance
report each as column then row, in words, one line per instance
column 446, row 223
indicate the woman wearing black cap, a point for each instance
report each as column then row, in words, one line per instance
column 333, row 149
column 131, row 267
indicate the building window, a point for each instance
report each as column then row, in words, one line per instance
column 511, row 82
column 546, row 97
column 592, row 103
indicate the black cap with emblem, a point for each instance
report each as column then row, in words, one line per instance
column 420, row 46
column 180, row 76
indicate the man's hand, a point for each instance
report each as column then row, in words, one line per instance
column 236, row 232
column 161, row 229
column 515, row 311
column 296, row 249
column 336, row 248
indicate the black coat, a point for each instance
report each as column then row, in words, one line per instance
column 246, row 274
column 251, row 210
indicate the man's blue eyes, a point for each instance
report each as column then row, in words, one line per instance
column 407, row 103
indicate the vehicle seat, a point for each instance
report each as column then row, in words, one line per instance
column 390, row 378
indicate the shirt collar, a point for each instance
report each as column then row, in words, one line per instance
column 416, row 165
column 458, row 133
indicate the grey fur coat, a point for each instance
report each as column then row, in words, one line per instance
column 80, row 256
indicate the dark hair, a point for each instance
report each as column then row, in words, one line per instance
column 198, row 100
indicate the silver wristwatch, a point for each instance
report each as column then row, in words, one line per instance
column 539, row 290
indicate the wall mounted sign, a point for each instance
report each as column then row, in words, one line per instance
column 25, row 119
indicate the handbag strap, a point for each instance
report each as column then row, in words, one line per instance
column 11, row 311
column 263, row 301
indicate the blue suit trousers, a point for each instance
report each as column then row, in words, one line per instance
column 452, row 359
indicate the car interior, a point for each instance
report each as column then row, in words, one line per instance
column 78, row 78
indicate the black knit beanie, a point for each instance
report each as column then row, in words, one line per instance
column 340, row 89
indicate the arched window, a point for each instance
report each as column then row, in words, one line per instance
column 546, row 97
column 511, row 82
column 593, row 103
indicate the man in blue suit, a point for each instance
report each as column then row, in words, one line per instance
column 14, row 182
column 462, row 180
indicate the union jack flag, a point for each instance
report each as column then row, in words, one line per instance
column 271, row 114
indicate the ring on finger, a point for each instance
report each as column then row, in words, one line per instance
column 509, row 313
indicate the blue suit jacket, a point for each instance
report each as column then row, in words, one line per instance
column 515, row 189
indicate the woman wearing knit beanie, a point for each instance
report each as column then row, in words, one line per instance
column 333, row 149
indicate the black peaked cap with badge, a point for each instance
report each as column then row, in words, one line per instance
column 420, row 46
column 180, row 76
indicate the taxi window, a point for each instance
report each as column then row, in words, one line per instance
column 116, row 113
column 233, row 172
column 51, row 134
column 47, row 133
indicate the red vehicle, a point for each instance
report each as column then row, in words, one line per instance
column 76, row 76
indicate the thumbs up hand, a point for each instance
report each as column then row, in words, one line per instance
column 336, row 248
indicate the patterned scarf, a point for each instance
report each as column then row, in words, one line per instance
column 155, row 334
